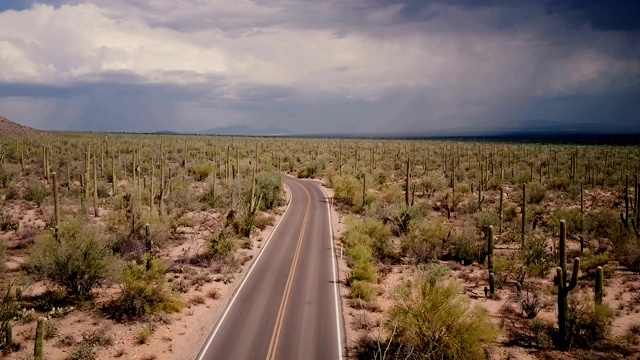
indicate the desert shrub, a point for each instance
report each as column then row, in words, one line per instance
column 510, row 211
column 626, row 249
column 37, row 193
column 84, row 351
column 434, row 181
column 486, row 218
column 78, row 261
column 536, row 193
column 9, row 306
column 129, row 233
column 560, row 183
column 572, row 218
column 430, row 319
column 103, row 191
column 530, row 302
column 201, row 171
column 361, row 289
column 6, row 174
column 506, row 268
column 362, row 266
column 399, row 217
column 220, row 245
column 345, row 189
column 466, row 246
column 602, row 222
column 262, row 221
column 143, row 335
column 373, row 233
column 211, row 197
column 424, row 240
column 591, row 261
column 535, row 256
column 180, row 199
column 145, row 291
column 13, row 194
column 310, row 170
column 531, row 332
column 587, row 323
column 269, row 186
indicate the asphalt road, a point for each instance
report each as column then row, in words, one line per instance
column 287, row 305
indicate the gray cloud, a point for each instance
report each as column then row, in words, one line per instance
column 320, row 66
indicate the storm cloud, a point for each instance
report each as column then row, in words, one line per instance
column 320, row 66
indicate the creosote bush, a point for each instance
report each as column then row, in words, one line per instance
column 430, row 319
column 146, row 292
column 79, row 261
column 424, row 240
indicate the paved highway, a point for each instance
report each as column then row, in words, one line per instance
column 287, row 306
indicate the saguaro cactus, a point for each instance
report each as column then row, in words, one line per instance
column 95, row 187
column 148, row 244
column 38, row 349
column 490, row 261
column 564, row 287
column 598, row 289
column 56, row 199
column 524, row 212
column 8, row 336
column 113, row 175
column 407, row 189
column 501, row 211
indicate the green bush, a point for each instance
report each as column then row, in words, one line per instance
column 465, row 245
column 486, row 218
column 424, row 240
column 572, row 218
column 145, row 291
column 269, row 186
column 374, row 233
column 535, row 257
column 345, row 189
column 362, row 267
column 587, row 322
column 602, row 222
column 220, row 245
column 430, row 319
column 310, row 170
column 201, row 171
column 78, row 262
column 536, row 193
column 37, row 193
column 361, row 289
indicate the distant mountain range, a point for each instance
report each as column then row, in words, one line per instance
column 245, row 130
column 237, row 130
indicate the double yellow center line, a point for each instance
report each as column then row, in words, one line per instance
column 271, row 354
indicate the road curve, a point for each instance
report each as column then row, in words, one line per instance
column 287, row 306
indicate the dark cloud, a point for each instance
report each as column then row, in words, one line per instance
column 506, row 64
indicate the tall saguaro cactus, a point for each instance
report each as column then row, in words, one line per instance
column 564, row 287
column 56, row 200
column 501, row 211
column 490, row 260
column 406, row 184
column 524, row 212
column 38, row 349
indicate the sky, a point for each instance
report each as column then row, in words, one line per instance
column 315, row 66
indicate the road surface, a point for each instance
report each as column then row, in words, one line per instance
column 287, row 306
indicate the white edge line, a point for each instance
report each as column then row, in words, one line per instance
column 204, row 350
column 336, row 280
